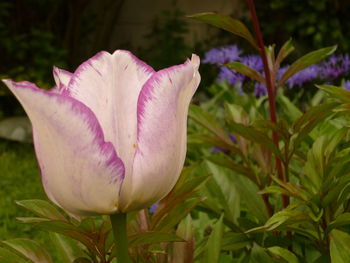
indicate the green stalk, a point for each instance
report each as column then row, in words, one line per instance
column 120, row 237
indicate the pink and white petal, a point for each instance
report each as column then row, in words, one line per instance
column 161, row 137
column 109, row 84
column 80, row 171
column 62, row 78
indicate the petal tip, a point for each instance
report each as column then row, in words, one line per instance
column 195, row 60
column 7, row 81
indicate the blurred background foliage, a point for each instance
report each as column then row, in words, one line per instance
column 311, row 23
column 37, row 34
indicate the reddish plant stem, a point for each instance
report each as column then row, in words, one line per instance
column 270, row 90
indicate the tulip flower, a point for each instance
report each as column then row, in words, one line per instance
column 110, row 137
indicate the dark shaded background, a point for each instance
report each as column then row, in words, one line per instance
column 36, row 34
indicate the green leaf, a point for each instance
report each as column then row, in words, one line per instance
column 169, row 220
column 310, row 119
column 340, row 246
column 67, row 248
column 42, row 208
column 82, row 260
column 185, row 228
column 29, row 249
column 185, row 187
column 209, row 122
column 305, row 61
column 341, row 220
column 285, row 50
column 288, row 107
column 231, row 202
column 336, row 92
column 252, row 201
column 234, row 241
column 214, row 242
column 281, row 220
column 294, row 190
column 151, row 237
column 7, row 256
column 28, row 220
column 245, row 70
column 227, row 23
column 274, row 189
column 319, row 156
column 222, row 195
column 284, row 254
column 229, row 163
column 255, row 136
column 314, row 114
column 269, row 125
column 225, row 187
column 210, row 141
column 69, row 230
column 259, row 255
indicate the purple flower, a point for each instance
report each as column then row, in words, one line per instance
column 110, row 137
column 233, row 138
column 217, row 149
column 153, row 208
column 231, row 76
column 222, row 55
column 260, row 90
column 253, row 61
column 304, row 76
column 334, row 67
column 347, row 85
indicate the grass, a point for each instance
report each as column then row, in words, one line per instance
column 19, row 180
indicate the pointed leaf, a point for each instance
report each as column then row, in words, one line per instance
column 341, row 220
column 259, row 255
column 67, row 248
column 152, row 237
column 209, row 122
column 227, row 23
column 210, row 141
column 229, row 163
column 313, row 115
column 284, row 254
column 267, row 124
column 7, row 256
column 285, row 50
column 82, row 260
column 176, row 214
column 282, row 219
column 234, row 241
column 71, row 231
column 29, row 220
column 254, row 203
column 336, row 92
column 308, row 121
column 305, row 61
column 245, row 70
column 30, row 250
column 255, row 136
column 292, row 111
column 185, row 187
column 340, row 246
column 42, row 208
column 214, row 242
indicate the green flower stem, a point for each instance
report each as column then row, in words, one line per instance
column 120, row 237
